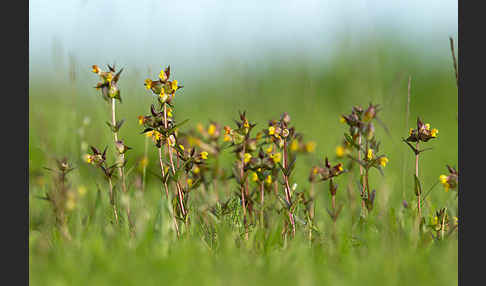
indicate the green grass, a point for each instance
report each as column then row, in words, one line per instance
column 383, row 252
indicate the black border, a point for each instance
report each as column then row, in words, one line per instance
column 14, row 212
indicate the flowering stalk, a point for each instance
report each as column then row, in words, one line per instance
column 417, row 176
column 361, row 173
column 422, row 133
column 287, row 187
column 162, row 168
column 179, row 188
column 112, row 200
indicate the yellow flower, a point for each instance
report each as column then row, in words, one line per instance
column 434, row 132
column 181, row 146
column 444, row 181
column 271, row 130
column 310, row 146
column 162, row 75
column 427, row 126
column 174, row 85
column 140, row 119
column 196, row 170
column 342, row 119
column 149, row 133
column 294, row 145
column 148, row 83
column 369, row 155
column 158, row 136
column 340, row 167
column 269, row 149
column 169, row 112
column 246, row 124
column 276, row 157
column 268, row 180
column 211, row 129
column 340, row 151
column 456, row 220
column 189, row 182
column 410, row 131
column 435, row 220
column 109, row 77
column 254, row 176
column 204, row 155
column 226, row 138
column 162, row 93
column 247, row 158
column 315, row 170
column 96, row 69
column 383, row 161
column 88, row 158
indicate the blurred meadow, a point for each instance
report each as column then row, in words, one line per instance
column 66, row 114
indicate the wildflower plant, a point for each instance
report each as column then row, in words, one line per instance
column 361, row 138
column 162, row 127
column 110, row 92
column 423, row 133
column 243, row 147
column 327, row 172
column 280, row 135
column 98, row 159
column 60, row 195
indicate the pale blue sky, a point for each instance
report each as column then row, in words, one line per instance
column 197, row 33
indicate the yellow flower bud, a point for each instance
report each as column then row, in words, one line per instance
column 189, row 182
column 294, row 146
column 310, row 146
column 247, row 158
column 369, row 155
column 148, row 83
column 276, row 157
column 174, row 85
column 254, row 176
column 204, row 155
column 211, row 129
column 268, row 180
column 383, row 161
column 162, row 75
column 434, row 132
column 271, row 130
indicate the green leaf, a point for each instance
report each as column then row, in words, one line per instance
column 418, row 187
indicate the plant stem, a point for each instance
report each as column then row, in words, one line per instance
column 287, row 187
column 112, row 200
column 363, row 205
column 122, row 157
column 179, row 188
column 176, row 226
column 262, row 201
column 417, row 175
column 144, row 170
column 242, row 188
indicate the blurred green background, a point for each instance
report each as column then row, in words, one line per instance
column 66, row 114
